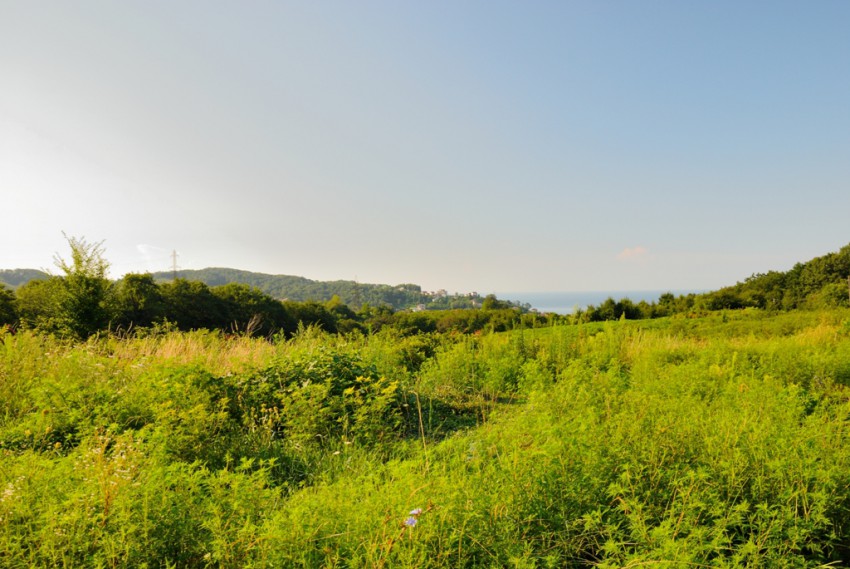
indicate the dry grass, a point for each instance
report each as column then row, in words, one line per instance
column 212, row 351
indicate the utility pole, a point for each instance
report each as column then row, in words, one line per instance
column 174, row 264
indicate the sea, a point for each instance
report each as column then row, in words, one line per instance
column 568, row 302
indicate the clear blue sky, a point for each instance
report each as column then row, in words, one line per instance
column 476, row 145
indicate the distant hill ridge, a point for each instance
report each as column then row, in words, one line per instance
column 13, row 278
column 288, row 287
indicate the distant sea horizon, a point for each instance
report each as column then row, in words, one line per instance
column 567, row 302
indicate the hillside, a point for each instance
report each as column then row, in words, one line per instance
column 287, row 287
column 13, row 278
column 821, row 282
column 352, row 293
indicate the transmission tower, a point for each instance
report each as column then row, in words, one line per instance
column 174, row 266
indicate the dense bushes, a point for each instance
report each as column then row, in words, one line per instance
column 687, row 442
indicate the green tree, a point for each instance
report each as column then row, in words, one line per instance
column 666, row 304
column 191, row 305
column 724, row 299
column 84, row 304
column 832, row 295
column 336, row 306
column 493, row 303
column 312, row 313
column 39, row 304
column 8, row 306
column 375, row 317
column 346, row 319
column 605, row 311
column 415, row 322
column 250, row 310
column 138, row 301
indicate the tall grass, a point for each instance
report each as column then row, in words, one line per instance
column 713, row 442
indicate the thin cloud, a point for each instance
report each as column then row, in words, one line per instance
column 633, row 253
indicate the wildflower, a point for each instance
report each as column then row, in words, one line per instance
column 410, row 522
column 416, row 512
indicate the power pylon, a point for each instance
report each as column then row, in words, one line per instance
column 174, row 266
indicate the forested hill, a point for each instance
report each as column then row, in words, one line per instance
column 13, row 278
column 286, row 287
column 819, row 283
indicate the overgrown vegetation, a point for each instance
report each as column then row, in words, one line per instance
column 714, row 441
column 147, row 424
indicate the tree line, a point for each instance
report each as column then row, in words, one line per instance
column 819, row 283
column 82, row 301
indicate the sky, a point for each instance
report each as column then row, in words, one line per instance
column 475, row 145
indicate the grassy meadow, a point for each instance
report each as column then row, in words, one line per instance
column 679, row 442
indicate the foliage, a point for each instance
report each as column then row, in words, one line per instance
column 823, row 282
column 8, row 306
column 713, row 441
column 312, row 313
column 137, row 301
column 818, row 282
column 84, row 300
column 40, row 304
column 463, row 438
column 333, row 396
column 250, row 310
column 192, row 305
column 492, row 303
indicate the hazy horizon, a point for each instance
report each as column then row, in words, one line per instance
column 549, row 146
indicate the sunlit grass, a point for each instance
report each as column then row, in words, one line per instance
column 716, row 442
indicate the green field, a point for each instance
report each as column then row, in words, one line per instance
column 679, row 442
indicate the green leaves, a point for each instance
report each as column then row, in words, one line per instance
column 667, row 443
